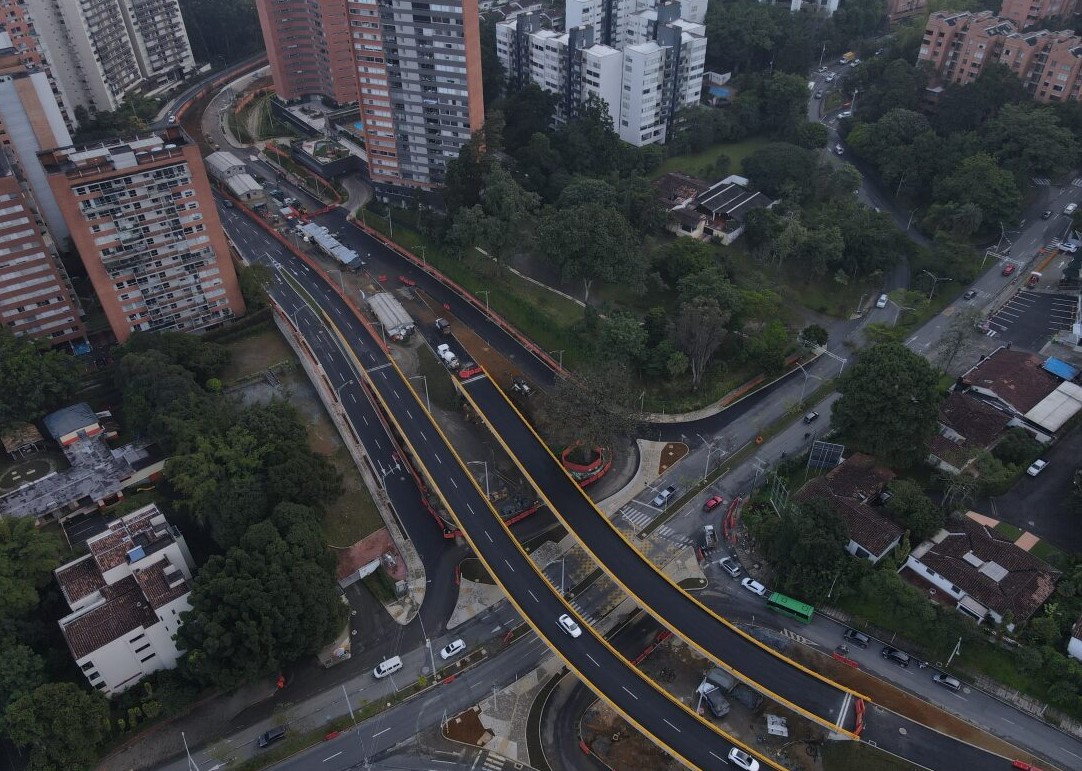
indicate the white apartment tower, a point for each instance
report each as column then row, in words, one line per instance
column 100, row 50
column 653, row 71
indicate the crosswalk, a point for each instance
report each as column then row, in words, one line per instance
column 589, row 618
column 490, row 761
column 639, row 520
column 1042, row 181
column 1077, row 181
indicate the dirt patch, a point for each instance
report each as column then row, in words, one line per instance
column 377, row 546
column 618, row 744
column 910, row 706
column 257, row 352
column 472, row 570
column 466, row 727
column 670, row 454
column 354, row 514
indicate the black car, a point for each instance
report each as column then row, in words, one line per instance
column 970, row 294
column 271, row 736
column 858, row 639
column 898, row 657
column 1046, row 214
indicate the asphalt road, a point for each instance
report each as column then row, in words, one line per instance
column 643, row 702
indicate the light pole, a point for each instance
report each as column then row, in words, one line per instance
column 935, row 280
column 806, row 376
column 485, row 293
column 485, row 464
column 560, row 361
column 912, row 214
column 428, row 644
column 339, row 389
column 822, row 55
column 709, row 452
column 424, row 259
column 424, row 379
column 341, row 281
column 562, row 575
column 955, row 652
column 191, row 762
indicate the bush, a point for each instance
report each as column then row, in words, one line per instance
column 1017, row 448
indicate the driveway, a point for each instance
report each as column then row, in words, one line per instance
column 1028, row 319
column 1045, row 504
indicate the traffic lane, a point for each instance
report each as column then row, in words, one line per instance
column 681, row 613
column 385, row 261
column 1044, row 504
column 609, row 674
column 922, row 745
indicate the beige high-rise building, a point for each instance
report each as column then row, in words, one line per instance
column 100, row 50
column 143, row 220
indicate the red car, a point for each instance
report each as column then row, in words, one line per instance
column 469, row 369
column 1008, row 269
column 713, row 502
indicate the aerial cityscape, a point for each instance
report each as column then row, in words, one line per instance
column 555, row 385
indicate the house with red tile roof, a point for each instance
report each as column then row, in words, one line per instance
column 966, row 425
column 981, row 572
column 856, row 489
column 126, row 598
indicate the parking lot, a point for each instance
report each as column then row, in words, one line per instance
column 1028, row 319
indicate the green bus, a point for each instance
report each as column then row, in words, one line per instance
column 787, row 606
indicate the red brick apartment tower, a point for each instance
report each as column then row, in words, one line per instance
column 419, row 82
column 1026, row 13
column 35, row 297
column 309, row 48
column 143, row 220
column 1049, row 64
column 958, row 45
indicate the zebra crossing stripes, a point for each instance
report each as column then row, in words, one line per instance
column 1042, row 181
column 798, row 638
column 669, row 534
column 634, row 517
column 1077, row 181
column 589, row 618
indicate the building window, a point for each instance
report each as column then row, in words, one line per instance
column 148, row 658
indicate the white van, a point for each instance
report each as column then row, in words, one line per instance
column 388, row 667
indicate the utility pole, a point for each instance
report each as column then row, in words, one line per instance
column 955, row 652
column 823, row 54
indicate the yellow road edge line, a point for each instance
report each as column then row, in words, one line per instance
column 656, row 614
column 647, row 681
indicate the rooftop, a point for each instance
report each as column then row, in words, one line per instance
column 978, row 423
column 989, row 568
column 1016, row 377
column 79, row 579
column 114, row 154
column 124, row 610
column 858, row 478
column 20, row 436
column 131, row 538
column 69, row 420
column 867, row 526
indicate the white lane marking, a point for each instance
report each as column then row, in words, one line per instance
column 509, row 565
column 437, row 457
column 422, row 433
column 629, row 693
column 353, row 398
column 717, row 756
column 395, row 394
column 364, row 419
column 593, row 660
column 468, row 506
column 454, row 483
column 1005, row 720
column 672, row 726
column 530, row 592
column 332, row 757
column 385, row 730
column 410, row 414
column 489, row 537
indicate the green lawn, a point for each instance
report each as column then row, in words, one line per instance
column 857, row 756
column 1009, row 530
column 702, row 163
column 1047, row 552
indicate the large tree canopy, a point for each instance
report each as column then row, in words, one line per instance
column 59, row 724
column 27, row 558
column 889, row 403
column 33, row 379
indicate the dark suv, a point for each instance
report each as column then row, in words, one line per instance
column 898, row 657
column 271, row 736
column 859, row 639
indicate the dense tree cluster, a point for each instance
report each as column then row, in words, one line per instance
column 33, row 379
column 222, row 31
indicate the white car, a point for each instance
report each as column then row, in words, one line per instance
column 743, row 760
column 845, row 114
column 754, row 587
column 882, row 301
column 829, row 77
column 568, row 624
column 452, row 649
column 663, row 497
column 839, row 149
column 1037, row 467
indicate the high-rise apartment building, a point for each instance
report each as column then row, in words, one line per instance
column 958, row 45
column 100, row 50
column 660, row 70
column 1026, row 13
column 310, row 48
column 143, row 220
column 22, row 36
column 36, row 299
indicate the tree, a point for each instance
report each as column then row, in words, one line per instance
column 203, row 359
column 887, row 142
column 780, row 168
column 810, row 135
column 493, row 77
column 683, row 257
column 21, row 671
column 27, row 559
column 268, row 601
column 967, row 108
column 858, row 19
column 783, row 102
column 767, row 346
column 956, row 337
column 496, row 223
column 1030, row 141
column 1017, row 447
column 253, row 281
column 598, row 408
column 591, row 242
column 698, row 332
column 978, row 179
column 889, row 403
column 59, row 724
column 822, row 249
column 33, row 379
column 806, row 546
column 222, row 30
column 813, row 336
column 622, row 338
column 913, row 510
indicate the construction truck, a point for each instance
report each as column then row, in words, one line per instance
column 443, row 326
column 847, row 57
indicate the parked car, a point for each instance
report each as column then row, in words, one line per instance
column 271, row 736
column 713, row 502
column 1037, row 467
column 452, row 649
column 845, row 114
column 811, row 417
column 1046, row 214
column 730, row 566
column 882, row 301
column 947, row 681
column 829, row 78
column 839, row 149
column 1070, row 246
column 819, row 94
column 754, row 587
column 970, row 294
column 743, row 760
column 1008, row 269
column 854, row 63
column 858, row 639
column 900, row 658
column 663, row 497
column 1070, row 209
column 173, row 118
column 568, row 625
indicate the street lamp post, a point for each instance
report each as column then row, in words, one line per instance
column 562, row 575
column 191, row 762
column 428, row 644
column 935, row 280
column 485, row 293
column 560, row 361
column 428, row 402
column 339, row 389
column 485, row 464
column 341, row 281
